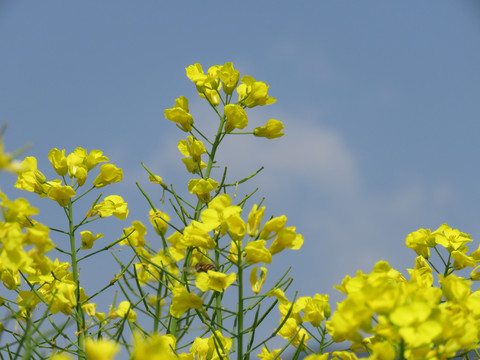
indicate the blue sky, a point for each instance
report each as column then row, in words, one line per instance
column 380, row 101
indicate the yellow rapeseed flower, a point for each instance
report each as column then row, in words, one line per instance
column 256, row 281
column 183, row 300
column 156, row 347
column 124, row 310
column 236, row 117
column 59, row 161
column 202, row 188
column 109, row 174
column 253, row 93
column 101, row 349
column 257, row 252
column 214, row 280
column 88, row 239
column 159, row 220
column 229, row 77
column 111, row 205
column 179, row 114
column 272, row 129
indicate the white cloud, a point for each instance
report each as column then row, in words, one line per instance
column 308, row 153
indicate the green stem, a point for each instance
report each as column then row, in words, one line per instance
column 218, row 297
column 211, row 159
column 240, row 305
column 79, row 317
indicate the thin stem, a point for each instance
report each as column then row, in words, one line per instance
column 79, row 317
column 240, row 304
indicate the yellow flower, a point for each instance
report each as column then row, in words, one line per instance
column 462, row 260
column 289, row 328
column 254, row 219
column 452, row 239
column 64, row 299
column 18, row 210
column 269, row 355
column 316, row 309
column 109, row 174
column 60, row 193
column 192, row 147
column 88, row 238
column 475, row 274
column 422, row 273
column 202, row 188
column 59, row 161
column 159, row 221
column 195, row 235
column 344, row 355
column 253, row 93
column 221, row 215
column 421, row 241
column 179, row 114
column 94, row 158
column 183, row 300
column 195, row 73
column 317, row 357
column 90, row 309
column 236, row 117
column 13, row 255
column 382, row 351
column 235, row 224
column 272, row 129
column 156, row 180
column 111, row 205
column 219, row 346
column 193, row 150
column 76, row 165
column 200, row 348
column 10, row 279
column 6, row 160
column 27, row 300
column 257, row 252
column 156, row 347
column 214, row 280
column 38, row 235
column 193, row 166
column 286, row 238
column 257, row 282
column 229, row 77
column 136, row 234
column 124, row 310
column 30, row 178
column 455, row 288
column 280, row 295
column 101, row 349
column 60, row 356
column 208, row 85
column 272, row 227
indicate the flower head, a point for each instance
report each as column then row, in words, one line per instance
column 101, row 349
column 111, row 205
column 229, row 77
column 183, row 300
column 272, row 129
column 202, row 188
column 179, row 114
column 236, row 117
column 253, row 93
column 109, row 174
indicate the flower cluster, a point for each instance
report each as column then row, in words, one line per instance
column 390, row 316
column 220, row 218
column 26, row 245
